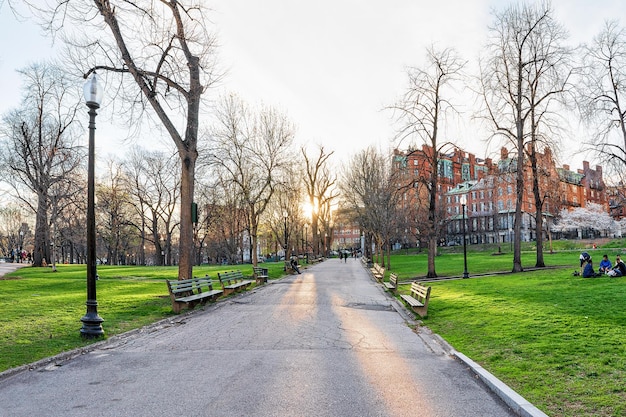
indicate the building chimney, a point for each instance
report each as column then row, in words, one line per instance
column 504, row 153
column 566, row 167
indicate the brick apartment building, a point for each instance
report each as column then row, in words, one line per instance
column 346, row 234
column 490, row 191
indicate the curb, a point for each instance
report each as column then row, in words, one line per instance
column 518, row 404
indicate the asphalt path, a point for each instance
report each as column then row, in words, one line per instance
column 7, row 267
column 328, row 342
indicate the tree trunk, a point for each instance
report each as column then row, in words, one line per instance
column 539, row 232
column 517, row 226
column 42, row 232
column 432, row 218
column 185, row 266
column 255, row 240
column 315, row 232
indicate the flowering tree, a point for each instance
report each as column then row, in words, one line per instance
column 594, row 217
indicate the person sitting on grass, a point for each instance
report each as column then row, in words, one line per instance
column 588, row 271
column 619, row 269
column 605, row 265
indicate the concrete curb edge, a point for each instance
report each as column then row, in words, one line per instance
column 518, row 403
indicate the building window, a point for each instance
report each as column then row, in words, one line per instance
column 465, row 172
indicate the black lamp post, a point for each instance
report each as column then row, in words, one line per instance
column 92, row 322
column 306, row 242
column 463, row 203
column 285, row 214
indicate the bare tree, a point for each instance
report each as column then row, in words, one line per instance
column 370, row 192
column 547, row 78
column 154, row 188
column 10, row 227
column 602, row 94
column 165, row 56
column 115, row 215
column 519, row 79
column 42, row 154
column 421, row 113
column 319, row 183
column 253, row 150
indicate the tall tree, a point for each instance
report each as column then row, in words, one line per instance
column 547, row 79
column 42, row 152
column 369, row 190
column 517, row 84
column 602, row 95
column 421, row 113
column 114, row 214
column 163, row 48
column 319, row 182
column 154, row 188
column 252, row 150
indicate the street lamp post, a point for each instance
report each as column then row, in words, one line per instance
column 92, row 322
column 21, row 244
column 306, row 242
column 463, row 203
column 285, row 215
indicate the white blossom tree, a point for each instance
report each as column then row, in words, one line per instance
column 594, row 217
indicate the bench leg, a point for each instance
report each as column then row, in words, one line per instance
column 421, row 311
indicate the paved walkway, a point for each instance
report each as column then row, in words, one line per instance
column 7, row 267
column 328, row 342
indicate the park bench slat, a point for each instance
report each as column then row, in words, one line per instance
column 418, row 299
column 261, row 275
column 191, row 292
column 392, row 285
column 233, row 281
column 378, row 272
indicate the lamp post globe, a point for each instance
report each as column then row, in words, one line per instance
column 92, row 322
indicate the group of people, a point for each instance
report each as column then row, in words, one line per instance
column 605, row 268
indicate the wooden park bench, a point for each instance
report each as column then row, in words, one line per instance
column 233, row 281
column 191, row 292
column 260, row 274
column 392, row 285
column 418, row 299
column 378, row 272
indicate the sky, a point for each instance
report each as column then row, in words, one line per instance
column 331, row 66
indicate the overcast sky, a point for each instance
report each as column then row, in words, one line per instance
column 330, row 65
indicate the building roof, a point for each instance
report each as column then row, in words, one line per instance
column 570, row 176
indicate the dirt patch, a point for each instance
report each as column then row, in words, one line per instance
column 9, row 278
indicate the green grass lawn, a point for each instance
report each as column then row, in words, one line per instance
column 557, row 339
column 40, row 310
